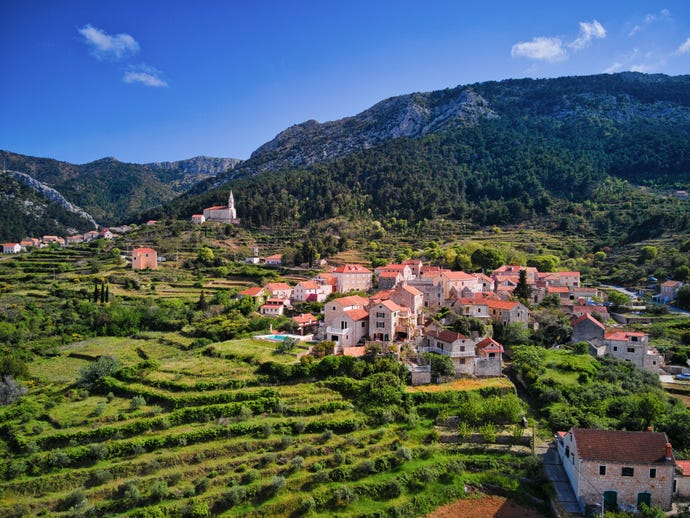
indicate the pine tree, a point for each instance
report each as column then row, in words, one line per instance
column 522, row 291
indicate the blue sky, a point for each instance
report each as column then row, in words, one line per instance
column 150, row 80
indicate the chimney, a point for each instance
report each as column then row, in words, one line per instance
column 669, row 451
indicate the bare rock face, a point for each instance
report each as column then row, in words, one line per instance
column 404, row 116
column 199, row 165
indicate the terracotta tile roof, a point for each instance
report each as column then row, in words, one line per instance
column 392, row 306
column 501, row 304
column 618, row 446
column 445, row 335
column 411, row 290
column 278, row 286
column 304, row 318
column 490, row 345
column 252, row 292
column 274, row 257
column 216, row 207
column 684, row 466
column 381, row 295
column 389, row 275
column 357, row 314
column 557, row 289
column 393, row 268
column 669, row 284
column 590, row 318
column 351, row 268
column 568, row 274
column 623, row 335
column 143, row 250
column 459, row 276
column 412, row 261
column 352, row 300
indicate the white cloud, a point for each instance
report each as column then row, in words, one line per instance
column 641, row 68
column 541, row 49
column 105, row 46
column 145, row 75
column 650, row 18
column 615, row 67
column 588, row 32
column 684, row 48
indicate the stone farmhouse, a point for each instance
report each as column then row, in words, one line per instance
column 352, row 277
column 479, row 358
column 144, row 258
column 618, row 468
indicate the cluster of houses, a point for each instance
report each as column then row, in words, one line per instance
column 34, row 242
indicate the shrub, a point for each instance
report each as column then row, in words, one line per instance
column 99, row 477
column 92, row 374
column 160, row 491
column 10, row 390
column 234, row 496
column 343, row 496
column 137, row 402
column 488, row 432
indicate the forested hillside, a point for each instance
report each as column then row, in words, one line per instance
column 598, row 155
column 111, row 190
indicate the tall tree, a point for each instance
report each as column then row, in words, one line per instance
column 523, row 290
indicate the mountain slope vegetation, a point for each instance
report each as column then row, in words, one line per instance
column 112, row 191
column 593, row 154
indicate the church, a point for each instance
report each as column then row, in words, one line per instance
column 223, row 214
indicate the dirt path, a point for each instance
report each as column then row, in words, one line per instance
column 485, row 507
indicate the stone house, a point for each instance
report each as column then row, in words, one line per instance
column 588, row 329
column 352, row 277
column 389, row 280
column 310, row 291
column 144, row 258
column 346, row 321
column 683, row 479
column 274, row 260
column 618, row 468
column 11, row 248
column 198, row 219
column 508, row 311
column 279, row 290
column 669, row 291
column 457, row 282
column 409, row 297
column 383, row 320
column 306, row 323
column 489, row 358
column 459, row 347
column 633, row 347
column 273, row 307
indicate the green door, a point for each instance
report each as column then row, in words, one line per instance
column 610, row 500
column 644, row 498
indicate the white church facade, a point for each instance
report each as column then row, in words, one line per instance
column 223, row 214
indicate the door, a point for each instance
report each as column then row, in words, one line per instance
column 610, row 500
column 644, row 498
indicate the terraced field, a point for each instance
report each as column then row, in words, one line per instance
column 192, row 432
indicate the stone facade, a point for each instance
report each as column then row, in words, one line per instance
column 143, row 258
column 618, row 468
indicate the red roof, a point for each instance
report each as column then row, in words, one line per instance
column 557, row 289
column 216, row 207
column 143, row 250
column 309, row 285
column 352, row 300
column 271, row 286
column 252, row 292
column 390, row 305
column 274, row 257
column 411, row 290
column 669, row 284
column 304, row 318
column 589, row 317
column 357, row 314
column 684, row 466
column 389, row 275
column 624, row 447
column 623, row 335
column 446, row 336
column 459, row 276
column 501, row 304
column 393, row 267
column 490, row 345
column 351, row 268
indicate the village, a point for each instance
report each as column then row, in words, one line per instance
column 411, row 308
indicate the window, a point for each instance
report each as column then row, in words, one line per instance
column 567, row 451
column 652, row 473
column 343, row 325
column 602, row 470
column 364, row 324
column 380, row 315
column 492, row 355
column 627, row 472
column 633, row 339
column 462, row 361
column 380, row 325
column 462, row 348
column 631, row 349
column 615, row 348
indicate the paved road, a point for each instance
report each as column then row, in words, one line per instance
column 565, row 498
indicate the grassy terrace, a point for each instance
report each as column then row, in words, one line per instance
column 280, row 450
